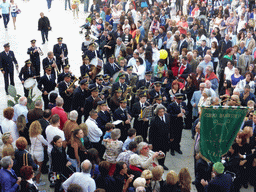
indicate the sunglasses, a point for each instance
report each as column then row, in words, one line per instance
column 148, row 179
column 145, row 147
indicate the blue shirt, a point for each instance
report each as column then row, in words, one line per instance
column 5, row 8
column 107, row 135
column 204, row 65
column 126, row 143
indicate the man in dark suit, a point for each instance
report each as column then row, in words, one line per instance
column 91, row 102
column 48, row 83
column 50, row 60
column 98, row 84
column 141, row 125
column 34, row 53
column 224, row 45
column 65, row 71
column 202, row 171
column 122, row 113
column 221, row 182
column 145, row 82
column 185, row 69
column 121, row 83
column 78, row 100
column 91, row 53
column 44, row 26
column 202, row 49
column 104, row 116
column 66, row 92
column 160, row 132
column 7, row 58
column 182, row 43
column 157, row 90
column 36, row 113
column 111, row 67
column 177, row 110
column 60, row 51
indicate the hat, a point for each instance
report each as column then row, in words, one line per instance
column 119, row 90
column 28, row 61
column 218, row 167
column 159, row 97
column 48, row 67
column 179, row 96
column 143, row 94
column 158, row 83
column 86, row 75
column 92, row 44
column 86, row 57
column 101, row 103
column 94, row 89
column 142, row 88
column 67, row 75
column 106, row 76
column 122, row 100
column 122, row 76
column 6, row 45
column 84, row 81
column 99, row 77
column 129, row 68
column 59, row 38
column 148, row 73
column 67, row 66
column 33, row 41
column 112, row 57
column 87, row 36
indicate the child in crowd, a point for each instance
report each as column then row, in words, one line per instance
column 109, row 128
column 130, row 138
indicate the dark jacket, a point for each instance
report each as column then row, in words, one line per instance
column 8, row 181
column 45, row 84
column 202, row 52
column 27, row 187
column 6, row 62
column 108, row 69
column 24, row 73
column 43, row 24
column 221, row 183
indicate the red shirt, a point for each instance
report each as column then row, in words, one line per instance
column 62, row 114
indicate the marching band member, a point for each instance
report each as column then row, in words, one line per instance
column 91, row 52
column 106, row 81
column 86, row 67
column 91, row 101
column 122, row 113
column 120, row 84
column 114, row 100
column 34, row 53
column 86, row 43
column 158, row 90
column 50, row 60
column 104, row 116
column 177, row 110
column 65, row 71
column 26, row 72
column 48, row 83
column 6, row 65
column 66, row 92
column 111, row 67
column 98, row 84
column 145, row 82
column 157, row 101
column 60, row 51
column 141, row 125
column 78, row 101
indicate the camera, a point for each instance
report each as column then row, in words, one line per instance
column 161, row 154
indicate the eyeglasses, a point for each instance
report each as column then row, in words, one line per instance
column 146, row 147
column 149, row 179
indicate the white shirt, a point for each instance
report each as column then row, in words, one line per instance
column 20, row 110
column 10, row 126
column 36, row 143
column 50, row 132
column 82, row 179
column 94, row 132
column 229, row 72
column 140, row 71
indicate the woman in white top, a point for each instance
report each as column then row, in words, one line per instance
column 139, row 68
column 229, row 71
column 37, row 141
column 205, row 100
column 249, row 79
column 13, row 9
column 8, row 125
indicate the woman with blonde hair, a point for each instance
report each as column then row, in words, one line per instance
column 147, row 174
column 157, row 181
column 87, row 143
column 184, row 180
column 22, row 128
column 7, row 141
column 37, row 150
column 8, row 150
column 171, row 184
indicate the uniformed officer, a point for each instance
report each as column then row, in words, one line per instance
column 145, row 82
column 91, row 53
column 121, row 83
column 66, row 92
column 86, row 43
column 86, row 67
column 65, row 71
column 50, row 60
column 158, row 90
column 114, row 100
column 46, row 84
column 34, row 53
column 104, row 116
column 106, row 81
column 60, row 51
column 7, row 58
column 91, row 101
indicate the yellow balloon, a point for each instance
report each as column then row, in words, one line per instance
column 163, row 54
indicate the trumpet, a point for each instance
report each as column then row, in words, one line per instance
column 56, row 68
column 39, row 50
column 71, row 86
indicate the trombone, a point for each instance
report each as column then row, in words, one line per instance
column 56, row 68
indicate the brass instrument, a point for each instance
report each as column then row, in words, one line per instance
column 183, row 116
column 71, row 86
column 39, row 50
column 56, row 68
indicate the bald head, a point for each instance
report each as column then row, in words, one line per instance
column 86, row 166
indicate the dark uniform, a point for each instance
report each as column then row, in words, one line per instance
column 121, row 114
column 26, row 73
column 143, row 82
column 114, row 101
column 6, row 65
column 103, row 118
column 177, row 122
column 153, row 93
column 46, row 62
column 140, row 125
column 58, row 49
column 85, row 69
column 48, row 84
column 117, row 85
column 35, row 58
column 61, row 76
column 111, row 68
column 106, row 81
column 90, row 103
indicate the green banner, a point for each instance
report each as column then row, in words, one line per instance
column 218, row 129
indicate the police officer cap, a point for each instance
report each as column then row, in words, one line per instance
column 158, row 83
column 28, row 61
column 94, row 89
column 33, row 41
column 67, row 66
column 129, row 68
column 149, row 73
column 179, row 96
column 59, row 38
column 218, row 167
column 92, row 44
column 112, row 57
column 84, row 81
column 99, row 77
column 122, row 76
column 101, row 103
column 106, row 76
column 6, row 45
column 159, row 97
column 123, row 100
column 67, row 75
column 86, row 75
column 86, row 57
column 143, row 94
column 48, row 67
column 119, row 90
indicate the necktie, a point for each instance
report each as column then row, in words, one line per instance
column 7, row 54
column 113, row 65
column 49, row 77
column 163, row 119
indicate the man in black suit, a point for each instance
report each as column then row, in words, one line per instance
column 48, row 83
column 98, row 84
column 121, row 83
column 158, row 90
column 224, row 45
column 50, row 60
column 66, row 92
column 182, row 43
column 104, row 116
column 65, row 71
column 44, row 26
column 78, row 101
column 34, row 53
column 111, row 67
column 145, row 82
column 91, row 53
column 122, row 113
column 91, row 102
column 60, row 51
column 177, row 110
column 185, row 69
column 160, row 132
column 7, row 58
column 141, row 125
column 202, row 49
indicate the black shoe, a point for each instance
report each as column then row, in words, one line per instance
column 43, row 43
column 165, row 168
column 172, row 153
column 245, row 185
column 180, row 152
column 194, row 182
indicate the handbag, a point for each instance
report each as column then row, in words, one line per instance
column 18, row 11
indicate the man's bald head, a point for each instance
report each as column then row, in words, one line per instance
column 86, row 166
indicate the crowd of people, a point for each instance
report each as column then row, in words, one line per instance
column 114, row 129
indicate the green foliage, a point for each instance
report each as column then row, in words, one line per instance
column 12, row 91
column 10, row 103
